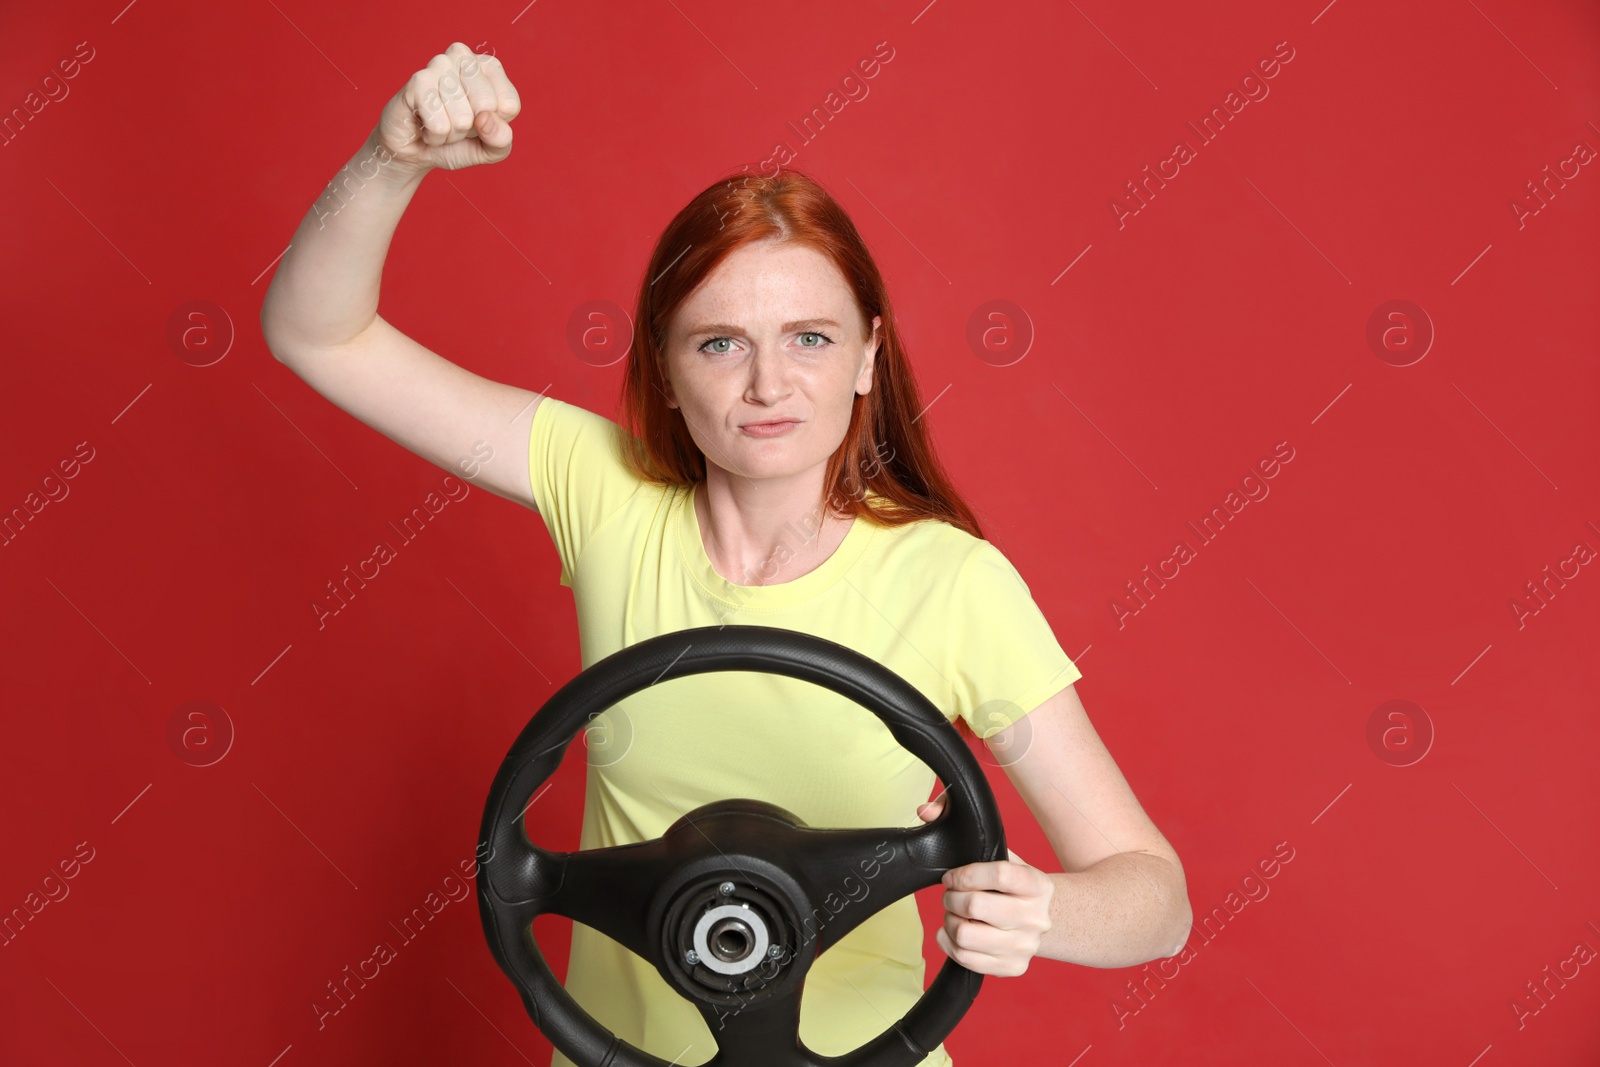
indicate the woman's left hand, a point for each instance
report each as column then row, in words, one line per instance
column 996, row 913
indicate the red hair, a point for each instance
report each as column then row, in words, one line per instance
column 885, row 448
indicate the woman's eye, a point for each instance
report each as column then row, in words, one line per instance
column 823, row 340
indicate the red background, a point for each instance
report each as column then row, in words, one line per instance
column 1227, row 315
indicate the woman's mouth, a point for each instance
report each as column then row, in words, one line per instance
column 770, row 429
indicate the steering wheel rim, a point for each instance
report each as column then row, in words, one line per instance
column 652, row 896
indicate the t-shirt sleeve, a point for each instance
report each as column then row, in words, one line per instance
column 1004, row 660
column 578, row 475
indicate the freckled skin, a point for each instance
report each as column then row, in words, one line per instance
column 759, row 372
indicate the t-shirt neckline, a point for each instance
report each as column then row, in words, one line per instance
column 692, row 549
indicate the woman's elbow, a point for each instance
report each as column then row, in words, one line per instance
column 1181, row 911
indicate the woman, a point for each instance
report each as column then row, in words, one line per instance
column 778, row 475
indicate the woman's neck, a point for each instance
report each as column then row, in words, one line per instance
column 754, row 536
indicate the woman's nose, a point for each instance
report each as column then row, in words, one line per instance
column 768, row 376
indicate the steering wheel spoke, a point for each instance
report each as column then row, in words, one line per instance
column 851, row 875
column 765, row 1032
column 609, row 889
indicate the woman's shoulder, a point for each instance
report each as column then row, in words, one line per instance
column 935, row 545
column 939, row 551
column 576, row 417
column 580, row 473
column 567, row 429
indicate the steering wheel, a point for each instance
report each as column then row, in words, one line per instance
column 726, row 903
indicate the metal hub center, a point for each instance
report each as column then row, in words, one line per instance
column 731, row 939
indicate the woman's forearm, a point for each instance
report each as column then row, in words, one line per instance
column 325, row 290
column 1127, row 909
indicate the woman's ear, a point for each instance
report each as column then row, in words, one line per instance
column 864, row 382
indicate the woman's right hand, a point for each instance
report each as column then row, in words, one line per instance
column 456, row 112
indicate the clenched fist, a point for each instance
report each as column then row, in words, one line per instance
column 456, row 112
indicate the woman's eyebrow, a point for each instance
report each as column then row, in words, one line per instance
column 723, row 327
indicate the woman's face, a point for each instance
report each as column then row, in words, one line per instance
column 772, row 334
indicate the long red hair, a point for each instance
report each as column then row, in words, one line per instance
column 885, row 448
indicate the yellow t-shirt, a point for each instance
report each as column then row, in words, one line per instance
column 937, row 606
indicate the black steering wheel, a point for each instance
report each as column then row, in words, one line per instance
column 726, row 903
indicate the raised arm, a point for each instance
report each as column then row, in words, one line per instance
column 320, row 316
